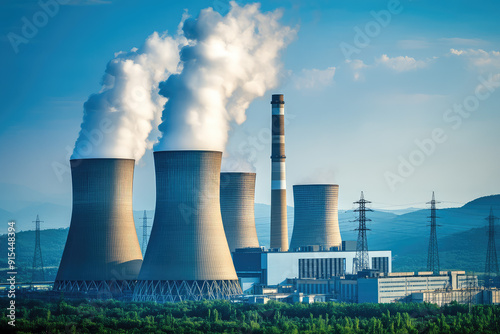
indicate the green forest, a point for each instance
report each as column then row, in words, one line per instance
column 65, row 316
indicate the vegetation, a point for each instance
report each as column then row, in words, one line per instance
column 460, row 251
column 34, row 316
column 52, row 244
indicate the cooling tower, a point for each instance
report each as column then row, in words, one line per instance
column 102, row 254
column 279, row 228
column 316, row 216
column 237, row 194
column 187, row 257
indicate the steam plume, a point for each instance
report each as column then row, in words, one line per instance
column 118, row 120
column 228, row 61
column 195, row 84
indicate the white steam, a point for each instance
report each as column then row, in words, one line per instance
column 118, row 120
column 196, row 84
column 228, row 61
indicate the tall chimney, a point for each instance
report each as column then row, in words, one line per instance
column 316, row 219
column 279, row 228
column 102, row 256
column 237, row 198
column 187, row 257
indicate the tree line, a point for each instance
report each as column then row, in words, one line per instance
column 83, row 316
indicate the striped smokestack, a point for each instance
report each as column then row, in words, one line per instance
column 279, row 230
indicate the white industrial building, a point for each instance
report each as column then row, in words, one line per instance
column 256, row 266
column 392, row 287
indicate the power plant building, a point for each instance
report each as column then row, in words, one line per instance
column 237, row 197
column 187, row 257
column 256, row 266
column 203, row 242
column 396, row 287
column 279, row 228
column 102, row 256
column 316, row 216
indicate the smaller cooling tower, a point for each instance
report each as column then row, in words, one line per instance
column 102, row 257
column 316, row 216
column 187, row 256
column 237, row 194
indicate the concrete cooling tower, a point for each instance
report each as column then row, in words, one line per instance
column 187, row 257
column 316, row 216
column 102, row 257
column 237, row 194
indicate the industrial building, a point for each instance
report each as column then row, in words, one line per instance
column 256, row 266
column 102, row 256
column 237, row 198
column 188, row 256
column 203, row 243
column 387, row 288
column 442, row 297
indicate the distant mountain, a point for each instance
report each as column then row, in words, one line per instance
column 459, row 251
column 346, row 222
column 22, row 204
column 484, row 203
column 462, row 237
column 14, row 197
column 52, row 244
column 52, row 215
column 400, row 211
column 410, row 232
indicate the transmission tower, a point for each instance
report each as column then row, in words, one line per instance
column 361, row 261
column 491, row 269
column 433, row 255
column 471, row 288
column 37, row 272
column 144, row 233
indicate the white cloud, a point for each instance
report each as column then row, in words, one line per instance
column 398, row 64
column 357, row 65
column 314, row 78
column 457, row 52
column 401, row 64
column 479, row 58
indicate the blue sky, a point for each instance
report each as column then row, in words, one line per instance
column 351, row 120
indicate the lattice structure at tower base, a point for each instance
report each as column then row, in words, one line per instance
column 112, row 289
column 176, row 291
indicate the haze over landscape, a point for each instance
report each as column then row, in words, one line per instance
column 361, row 108
column 378, row 106
column 249, row 167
